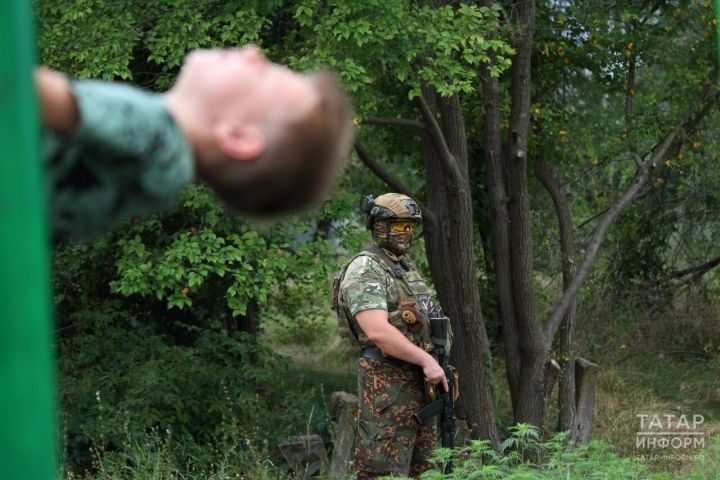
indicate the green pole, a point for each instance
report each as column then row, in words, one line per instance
column 27, row 416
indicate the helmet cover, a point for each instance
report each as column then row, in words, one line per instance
column 390, row 206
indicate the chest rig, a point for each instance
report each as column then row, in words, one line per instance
column 407, row 300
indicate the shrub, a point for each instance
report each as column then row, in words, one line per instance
column 122, row 381
column 527, row 457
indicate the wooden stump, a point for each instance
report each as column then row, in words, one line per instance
column 344, row 408
column 303, row 456
column 551, row 377
column 585, row 379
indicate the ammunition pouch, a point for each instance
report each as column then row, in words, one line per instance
column 455, row 382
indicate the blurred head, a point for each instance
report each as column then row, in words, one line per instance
column 274, row 139
column 393, row 219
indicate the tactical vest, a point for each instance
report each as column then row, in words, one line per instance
column 405, row 310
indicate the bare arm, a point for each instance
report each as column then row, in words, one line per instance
column 391, row 341
column 57, row 104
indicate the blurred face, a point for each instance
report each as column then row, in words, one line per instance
column 243, row 85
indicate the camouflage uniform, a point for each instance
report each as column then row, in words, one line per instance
column 389, row 441
column 127, row 157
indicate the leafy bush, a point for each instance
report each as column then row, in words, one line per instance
column 121, row 381
column 205, row 256
column 527, row 457
column 147, row 344
column 301, row 314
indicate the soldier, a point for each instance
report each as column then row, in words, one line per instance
column 383, row 306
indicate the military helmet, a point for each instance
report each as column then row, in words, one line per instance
column 390, row 206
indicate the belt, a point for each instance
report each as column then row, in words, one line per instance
column 376, row 354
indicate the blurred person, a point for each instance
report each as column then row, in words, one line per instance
column 268, row 140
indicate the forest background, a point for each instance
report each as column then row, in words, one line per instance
column 565, row 154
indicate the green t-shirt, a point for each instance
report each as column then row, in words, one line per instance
column 126, row 158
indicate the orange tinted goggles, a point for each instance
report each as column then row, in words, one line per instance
column 402, row 227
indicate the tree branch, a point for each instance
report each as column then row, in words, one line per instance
column 562, row 211
column 567, row 252
column 400, row 122
column 698, row 270
column 600, row 232
column 448, row 160
column 390, row 180
column 629, row 96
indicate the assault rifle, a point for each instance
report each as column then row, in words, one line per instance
column 442, row 406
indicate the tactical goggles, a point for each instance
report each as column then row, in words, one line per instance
column 400, row 227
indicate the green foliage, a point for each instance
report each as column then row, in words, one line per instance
column 121, row 380
column 555, row 460
column 216, row 258
column 102, row 34
column 145, row 342
column 308, row 321
column 156, row 458
column 108, row 39
column 402, row 42
column 146, row 314
column 707, row 463
column 609, row 82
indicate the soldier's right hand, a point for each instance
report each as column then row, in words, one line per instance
column 434, row 373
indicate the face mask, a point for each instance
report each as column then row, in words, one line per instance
column 397, row 238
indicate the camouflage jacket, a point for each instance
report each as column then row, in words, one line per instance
column 393, row 284
column 126, row 158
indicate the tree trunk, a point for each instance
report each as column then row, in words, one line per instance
column 499, row 228
column 451, row 255
column 566, row 392
column 248, row 323
column 244, row 323
column 534, row 350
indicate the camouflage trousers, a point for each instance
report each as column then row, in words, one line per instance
column 389, row 440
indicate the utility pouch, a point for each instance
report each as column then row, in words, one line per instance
column 430, row 393
column 455, row 380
